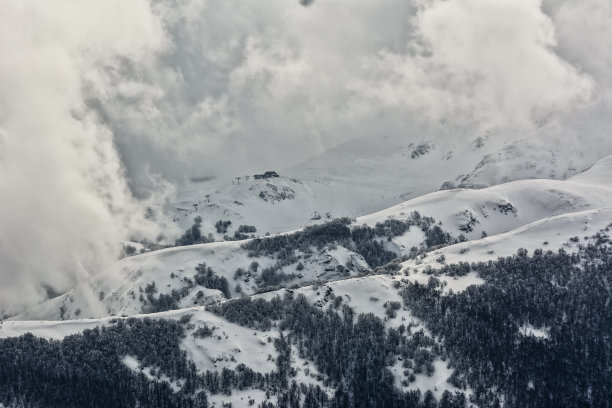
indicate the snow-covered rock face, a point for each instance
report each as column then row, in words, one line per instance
column 511, row 163
column 520, row 160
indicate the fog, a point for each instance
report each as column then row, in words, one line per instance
column 107, row 107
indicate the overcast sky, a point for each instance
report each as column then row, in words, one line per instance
column 104, row 104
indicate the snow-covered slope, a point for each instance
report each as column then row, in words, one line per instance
column 504, row 207
column 366, row 175
column 519, row 209
column 566, row 231
column 230, row 344
column 356, row 178
column 119, row 290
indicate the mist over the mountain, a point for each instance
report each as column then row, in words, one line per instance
column 105, row 107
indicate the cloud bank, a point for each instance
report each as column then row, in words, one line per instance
column 100, row 102
column 65, row 200
column 275, row 84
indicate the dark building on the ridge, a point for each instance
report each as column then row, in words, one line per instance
column 267, row 174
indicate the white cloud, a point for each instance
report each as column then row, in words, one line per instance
column 285, row 81
column 485, row 63
column 65, row 203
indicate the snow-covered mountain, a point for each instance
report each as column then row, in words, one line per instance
column 520, row 208
column 214, row 342
column 367, row 175
column 376, row 266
